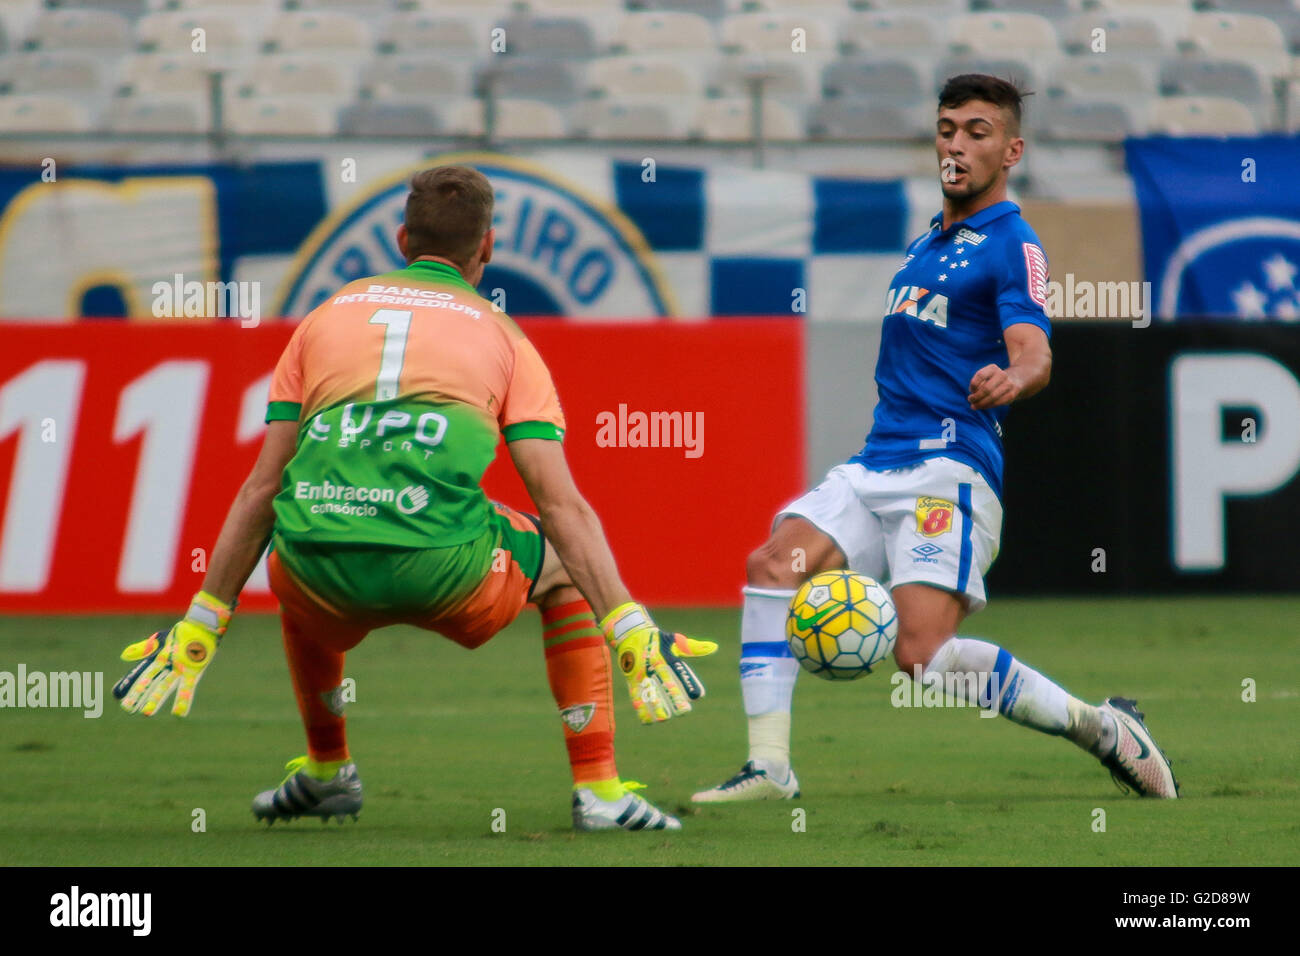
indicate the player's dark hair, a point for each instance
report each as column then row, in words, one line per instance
column 448, row 213
column 991, row 89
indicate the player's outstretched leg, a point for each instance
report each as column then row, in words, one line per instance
column 581, row 677
column 1114, row 732
column 767, row 668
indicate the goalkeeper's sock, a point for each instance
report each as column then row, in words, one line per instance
column 1018, row 692
column 323, row 769
column 767, row 674
column 582, row 683
column 317, row 673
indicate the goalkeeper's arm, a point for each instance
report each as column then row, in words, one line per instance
column 250, row 519
column 175, row 660
column 569, row 523
column 661, row 683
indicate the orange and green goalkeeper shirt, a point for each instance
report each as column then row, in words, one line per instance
column 401, row 385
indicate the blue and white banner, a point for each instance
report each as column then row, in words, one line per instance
column 1220, row 225
column 578, row 235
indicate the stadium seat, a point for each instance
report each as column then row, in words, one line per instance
column 649, row 32
column 365, row 9
column 1201, row 116
column 282, row 116
column 887, row 81
column 712, row 9
column 569, row 37
column 60, row 71
column 481, row 9
column 428, row 33
column 929, row 8
column 775, row 33
column 1090, row 120
column 16, row 19
column 90, row 31
column 890, row 32
column 864, row 119
column 1255, row 39
column 1124, row 33
column 299, row 75
column 1285, row 13
column 631, row 75
column 339, row 34
column 1198, row 76
column 370, row 118
column 823, row 8
column 793, row 78
column 1086, row 77
column 131, row 9
column 165, row 72
column 515, row 119
column 659, row 117
column 43, row 113
column 1017, row 69
column 731, row 118
column 253, row 16
column 159, row 113
column 576, row 7
column 227, row 37
column 414, row 77
column 528, row 78
column 1051, row 9
column 998, row 34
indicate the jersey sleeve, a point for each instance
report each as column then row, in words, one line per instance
column 1022, row 292
column 284, row 400
column 532, row 407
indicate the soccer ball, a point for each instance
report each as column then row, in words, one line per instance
column 840, row 624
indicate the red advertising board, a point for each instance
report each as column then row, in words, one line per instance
column 122, row 445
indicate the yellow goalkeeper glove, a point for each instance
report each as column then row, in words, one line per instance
column 175, row 661
column 662, row 685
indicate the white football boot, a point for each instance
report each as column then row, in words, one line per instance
column 754, row 782
column 630, row 812
column 1136, row 763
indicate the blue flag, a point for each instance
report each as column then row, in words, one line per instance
column 1220, row 225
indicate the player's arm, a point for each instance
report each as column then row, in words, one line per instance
column 569, row 523
column 250, row 519
column 660, row 683
column 1028, row 370
column 176, row 660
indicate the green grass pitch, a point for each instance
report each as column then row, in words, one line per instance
column 444, row 737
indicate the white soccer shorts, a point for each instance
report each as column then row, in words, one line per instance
column 937, row 522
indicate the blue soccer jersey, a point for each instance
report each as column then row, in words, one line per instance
column 945, row 311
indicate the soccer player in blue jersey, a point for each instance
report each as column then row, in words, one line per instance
column 965, row 334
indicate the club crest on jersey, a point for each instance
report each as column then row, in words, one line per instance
column 908, row 299
column 933, row 516
column 557, row 251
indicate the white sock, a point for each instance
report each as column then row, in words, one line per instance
column 1019, row 693
column 767, row 674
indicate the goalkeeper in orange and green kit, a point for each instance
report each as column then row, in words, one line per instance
column 384, row 411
